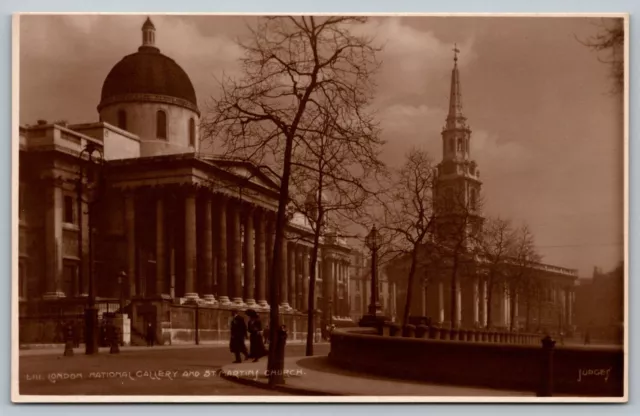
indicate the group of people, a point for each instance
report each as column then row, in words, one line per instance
column 241, row 330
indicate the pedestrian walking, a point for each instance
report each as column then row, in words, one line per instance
column 256, row 346
column 587, row 338
column 238, row 330
column 266, row 335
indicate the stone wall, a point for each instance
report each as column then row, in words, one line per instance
column 577, row 371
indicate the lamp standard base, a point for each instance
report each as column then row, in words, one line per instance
column 91, row 330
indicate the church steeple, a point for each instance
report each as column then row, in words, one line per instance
column 456, row 133
column 455, row 118
column 148, row 37
column 457, row 173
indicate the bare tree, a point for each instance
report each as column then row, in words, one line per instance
column 520, row 268
column 409, row 215
column 494, row 243
column 610, row 40
column 293, row 67
column 332, row 179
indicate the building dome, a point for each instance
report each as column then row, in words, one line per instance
column 148, row 72
column 148, row 75
column 151, row 96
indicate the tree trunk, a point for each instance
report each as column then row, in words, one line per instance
column 275, row 363
column 513, row 299
column 412, row 272
column 312, row 286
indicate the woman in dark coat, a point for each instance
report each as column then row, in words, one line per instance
column 256, row 349
column 238, row 330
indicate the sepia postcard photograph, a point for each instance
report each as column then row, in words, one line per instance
column 320, row 208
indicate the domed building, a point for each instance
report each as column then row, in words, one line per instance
column 149, row 94
column 174, row 231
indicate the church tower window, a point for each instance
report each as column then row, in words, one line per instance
column 161, row 124
column 192, row 132
column 474, row 199
column 122, row 119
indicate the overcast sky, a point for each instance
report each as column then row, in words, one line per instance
column 546, row 131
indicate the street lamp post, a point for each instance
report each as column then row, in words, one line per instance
column 122, row 277
column 91, row 160
column 374, row 317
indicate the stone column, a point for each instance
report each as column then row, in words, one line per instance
column 300, row 256
column 261, row 260
column 130, row 226
column 506, row 304
column 292, row 251
column 207, row 249
column 337, row 281
column 235, row 255
column 476, row 301
column 222, row 255
column 190, row 246
column 571, row 304
column 160, row 246
column 327, row 292
column 483, row 302
column 305, row 279
column 249, row 259
column 269, row 244
column 282, row 279
column 53, row 236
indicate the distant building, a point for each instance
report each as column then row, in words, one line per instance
column 599, row 306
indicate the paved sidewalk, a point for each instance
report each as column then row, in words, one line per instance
column 315, row 376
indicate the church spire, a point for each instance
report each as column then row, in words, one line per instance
column 148, row 36
column 455, row 118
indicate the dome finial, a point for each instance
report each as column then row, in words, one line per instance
column 148, row 33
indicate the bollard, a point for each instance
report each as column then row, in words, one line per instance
column 444, row 334
column 434, row 332
column 546, row 382
column 68, row 341
column 409, row 331
column 422, row 331
column 453, row 334
column 485, row 336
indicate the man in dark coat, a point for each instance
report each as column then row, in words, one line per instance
column 238, row 333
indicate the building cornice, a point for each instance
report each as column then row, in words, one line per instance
column 148, row 98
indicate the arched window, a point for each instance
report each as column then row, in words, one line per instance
column 192, row 132
column 122, row 119
column 452, row 145
column 161, row 124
